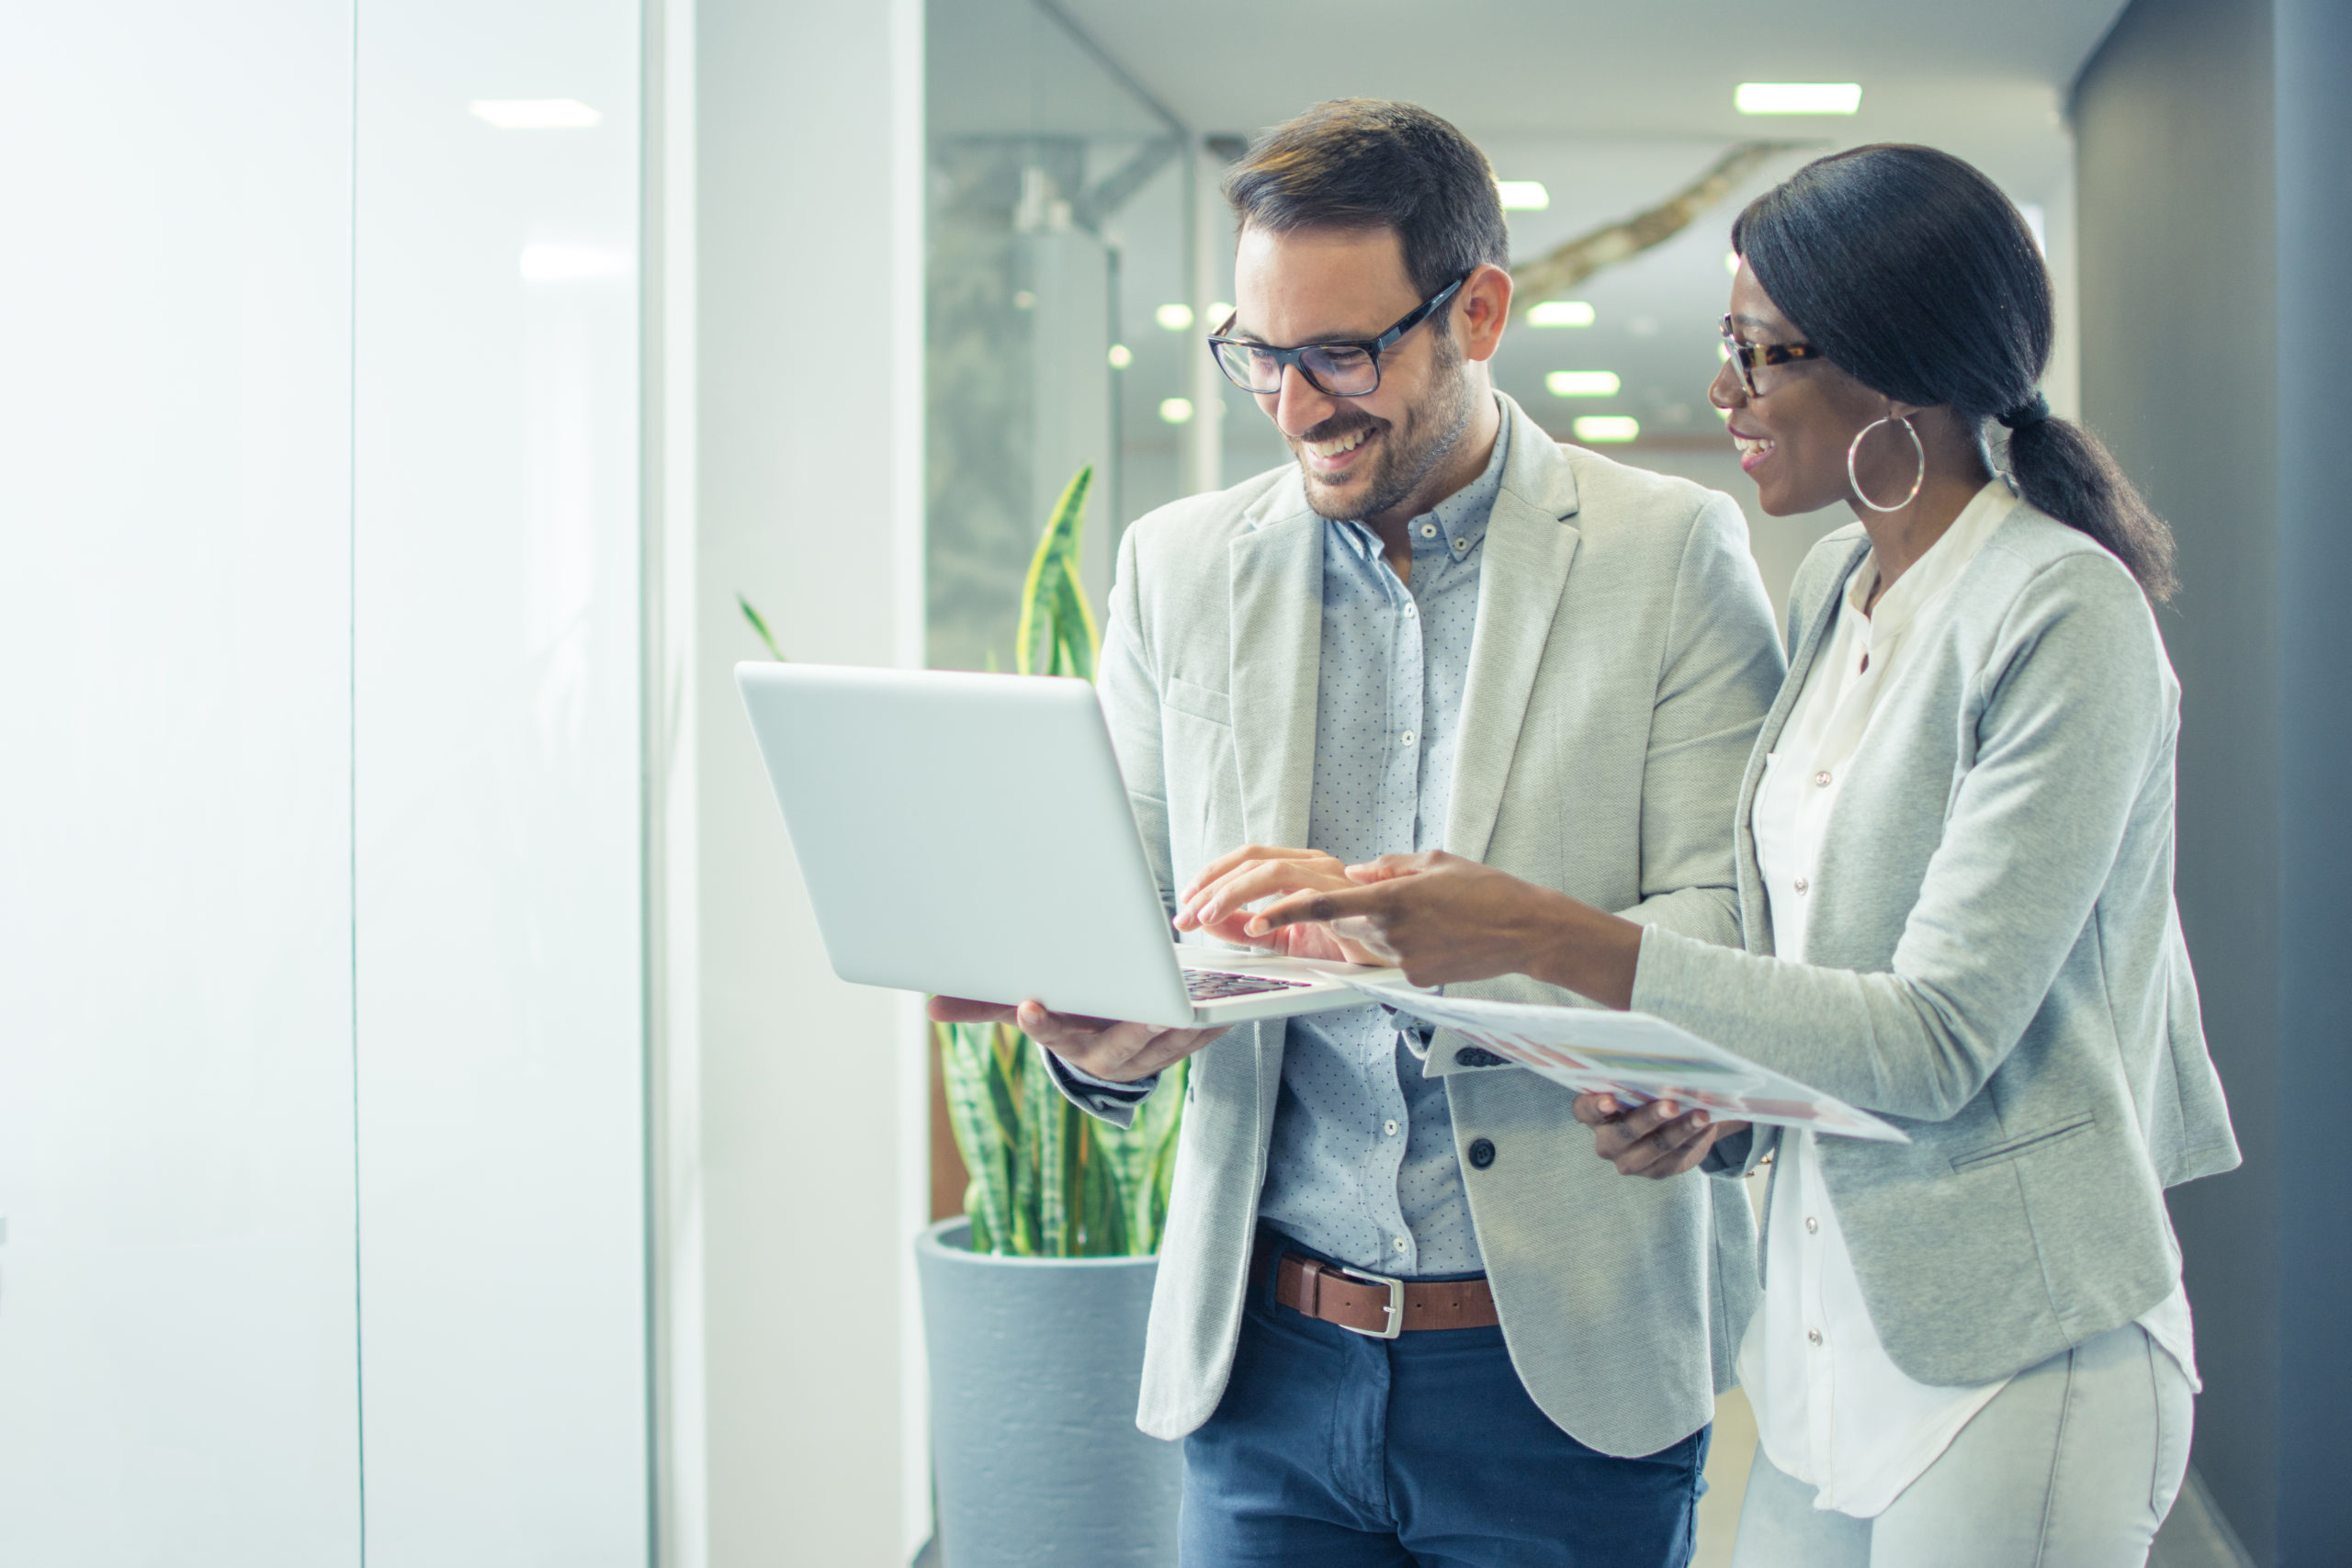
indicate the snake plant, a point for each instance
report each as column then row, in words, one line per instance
column 1046, row 1179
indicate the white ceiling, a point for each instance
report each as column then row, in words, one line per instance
column 1614, row 107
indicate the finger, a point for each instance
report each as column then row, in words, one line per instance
column 962, row 1009
column 1057, row 1029
column 1248, row 882
column 1387, row 868
column 1231, row 858
column 1657, row 1154
column 1597, row 1109
column 1169, row 1047
column 1319, row 906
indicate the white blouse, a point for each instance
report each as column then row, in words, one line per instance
column 1832, row 1408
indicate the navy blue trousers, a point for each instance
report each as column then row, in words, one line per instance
column 1334, row 1450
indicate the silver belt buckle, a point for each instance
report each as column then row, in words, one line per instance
column 1395, row 1302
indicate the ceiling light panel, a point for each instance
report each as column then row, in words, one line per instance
column 1581, row 383
column 1607, row 427
column 536, row 114
column 1559, row 313
column 1173, row 318
column 1798, row 97
column 1523, row 195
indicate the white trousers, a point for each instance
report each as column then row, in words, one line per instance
column 2073, row 1465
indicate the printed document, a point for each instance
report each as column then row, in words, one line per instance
column 1638, row 1057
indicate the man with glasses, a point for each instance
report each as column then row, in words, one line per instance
column 1402, row 1314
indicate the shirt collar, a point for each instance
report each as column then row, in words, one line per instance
column 1455, row 524
column 1934, row 571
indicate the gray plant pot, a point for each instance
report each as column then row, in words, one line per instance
column 1035, row 1365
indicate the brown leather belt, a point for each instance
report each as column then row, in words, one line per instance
column 1370, row 1304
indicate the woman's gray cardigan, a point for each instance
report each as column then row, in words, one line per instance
column 1994, row 961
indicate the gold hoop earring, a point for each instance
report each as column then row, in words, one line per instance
column 1854, row 447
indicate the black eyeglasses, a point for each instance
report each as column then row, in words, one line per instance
column 1334, row 369
column 1749, row 356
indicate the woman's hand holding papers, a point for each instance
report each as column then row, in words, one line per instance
column 1650, row 1140
column 1118, row 1052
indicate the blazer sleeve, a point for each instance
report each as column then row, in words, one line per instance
column 2072, row 703
column 1721, row 668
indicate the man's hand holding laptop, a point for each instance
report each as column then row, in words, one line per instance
column 1218, row 902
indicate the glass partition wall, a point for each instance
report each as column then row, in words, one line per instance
column 1060, row 307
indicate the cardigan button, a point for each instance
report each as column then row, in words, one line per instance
column 1482, row 1152
column 1820, row 779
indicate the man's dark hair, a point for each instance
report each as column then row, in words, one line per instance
column 1372, row 163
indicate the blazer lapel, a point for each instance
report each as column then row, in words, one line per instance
column 1276, row 607
column 1528, row 551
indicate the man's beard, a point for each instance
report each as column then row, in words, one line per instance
column 1429, row 433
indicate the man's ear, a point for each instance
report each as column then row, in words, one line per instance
column 1481, row 310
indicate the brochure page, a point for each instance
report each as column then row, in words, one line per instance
column 1639, row 1057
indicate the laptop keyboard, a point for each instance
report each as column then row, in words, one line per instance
column 1217, row 984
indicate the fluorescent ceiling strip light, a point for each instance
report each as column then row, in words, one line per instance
column 536, row 114
column 1798, row 97
column 1606, row 427
column 1559, row 313
column 1173, row 318
column 1523, row 195
column 1581, row 383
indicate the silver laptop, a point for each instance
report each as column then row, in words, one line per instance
column 970, row 836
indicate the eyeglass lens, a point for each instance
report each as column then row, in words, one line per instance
column 1336, row 372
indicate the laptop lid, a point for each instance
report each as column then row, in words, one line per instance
column 967, row 835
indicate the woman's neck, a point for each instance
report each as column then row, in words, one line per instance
column 1957, row 469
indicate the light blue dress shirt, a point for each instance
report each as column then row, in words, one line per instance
column 1362, row 1167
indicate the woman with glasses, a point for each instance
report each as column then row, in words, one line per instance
column 1955, row 866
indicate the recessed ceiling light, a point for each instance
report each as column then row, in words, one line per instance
column 1176, row 410
column 1523, row 195
column 1220, row 311
column 1120, row 357
column 1174, row 318
column 1559, row 313
column 536, row 114
column 1581, row 383
column 1600, row 427
column 566, row 263
column 1798, row 97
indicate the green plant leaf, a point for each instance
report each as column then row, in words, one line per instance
column 760, row 626
column 1056, row 634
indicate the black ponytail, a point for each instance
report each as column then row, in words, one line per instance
column 1911, row 271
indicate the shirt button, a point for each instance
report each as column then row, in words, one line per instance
column 1813, row 1335
column 1461, row 544
column 1811, row 1225
column 1820, row 779
column 1389, row 1127
column 1402, row 1244
column 1429, row 530
column 1412, row 609
column 1803, row 884
column 1408, row 737
column 1482, row 1152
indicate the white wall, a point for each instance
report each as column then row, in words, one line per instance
column 499, row 937
column 810, row 501
column 176, row 1316
column 319, row 648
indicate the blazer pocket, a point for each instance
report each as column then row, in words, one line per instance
column 2024, row 1143
column 1198, row 701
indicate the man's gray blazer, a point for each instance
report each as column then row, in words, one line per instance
column 1993, row 961
column 1623, row 656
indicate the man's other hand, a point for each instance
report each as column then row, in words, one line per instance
column 1118, row 1052
column 1219, row 898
